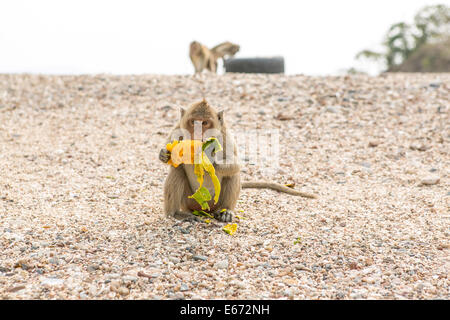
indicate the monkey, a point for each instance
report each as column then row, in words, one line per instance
column 202, row 58
column 225, row 49
column 201, row 121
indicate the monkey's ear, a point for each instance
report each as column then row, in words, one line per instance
column 220, row 116
column 182, row 111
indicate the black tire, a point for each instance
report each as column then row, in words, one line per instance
column 255, row 65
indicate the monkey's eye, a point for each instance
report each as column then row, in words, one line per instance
column 205, row 123
column 192, row 122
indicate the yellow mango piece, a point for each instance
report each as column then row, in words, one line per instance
column 186, row 151
column 230, row 228
column 208, row 166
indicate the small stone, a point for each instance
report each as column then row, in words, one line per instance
column 222, row 264
column 16, row 288
column 39, row 271
column 288, row 292
column 199, row 258
column 369, row 280
column 301, row 267
column 291, row 282
column 365, row 164
column 333, row 109
column 128, row 279
column 419, row 147
column 114, row 285
column 429, row 181
column 340, row 295
column 92, row 268
column 3, row 269
column 374, row 143
column 185, row 231
column 52, row 281
column 184, row 287
column 83, row 296
column 123, row 291
column 174, row 260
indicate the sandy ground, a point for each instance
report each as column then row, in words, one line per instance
column 81, row 189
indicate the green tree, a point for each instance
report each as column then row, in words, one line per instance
column 431, row 24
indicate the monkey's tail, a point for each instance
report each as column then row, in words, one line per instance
column 277, row 187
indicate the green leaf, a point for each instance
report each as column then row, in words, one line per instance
column 201, row 213
column 212, row 142
column 202, row 196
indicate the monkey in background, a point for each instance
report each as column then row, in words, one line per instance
column 203, row 58
column 182, row 182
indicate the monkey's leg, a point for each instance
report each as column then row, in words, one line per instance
column 229, row 194
column 176, row 191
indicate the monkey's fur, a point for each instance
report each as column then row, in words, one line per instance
column 181, row 181
column 225, row 49
column 203, row 58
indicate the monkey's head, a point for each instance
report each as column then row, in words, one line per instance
column 234, row 48
column 195, row 47
column 202, row 121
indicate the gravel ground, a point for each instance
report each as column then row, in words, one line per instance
column 81, row 189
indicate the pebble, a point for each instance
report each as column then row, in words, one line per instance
column 110, row 276
column 83, row 296
column 174, row 260
column 429, row 181
column 128, row 279
column 92, row 268
column 333, row 109
column 222, row 264
column 52, row 281
column 199, row 258
column 365, row 164
column 374, row 143
column 4, row 270
column 123, row 291
column 184, row 287
column 16, row 288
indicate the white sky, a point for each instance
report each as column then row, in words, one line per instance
column 132, row 37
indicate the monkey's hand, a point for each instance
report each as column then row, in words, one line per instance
column 164, row 155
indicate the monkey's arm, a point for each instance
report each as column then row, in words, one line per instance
column 228, row 163
column 164, row 154
column 227, row 170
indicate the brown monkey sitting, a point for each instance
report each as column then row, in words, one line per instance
column 199, row 122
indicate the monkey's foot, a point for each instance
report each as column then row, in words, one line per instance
column 185, row 216
column 225, row 216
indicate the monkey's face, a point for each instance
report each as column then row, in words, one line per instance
column 201, row 127
column 195, row 47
